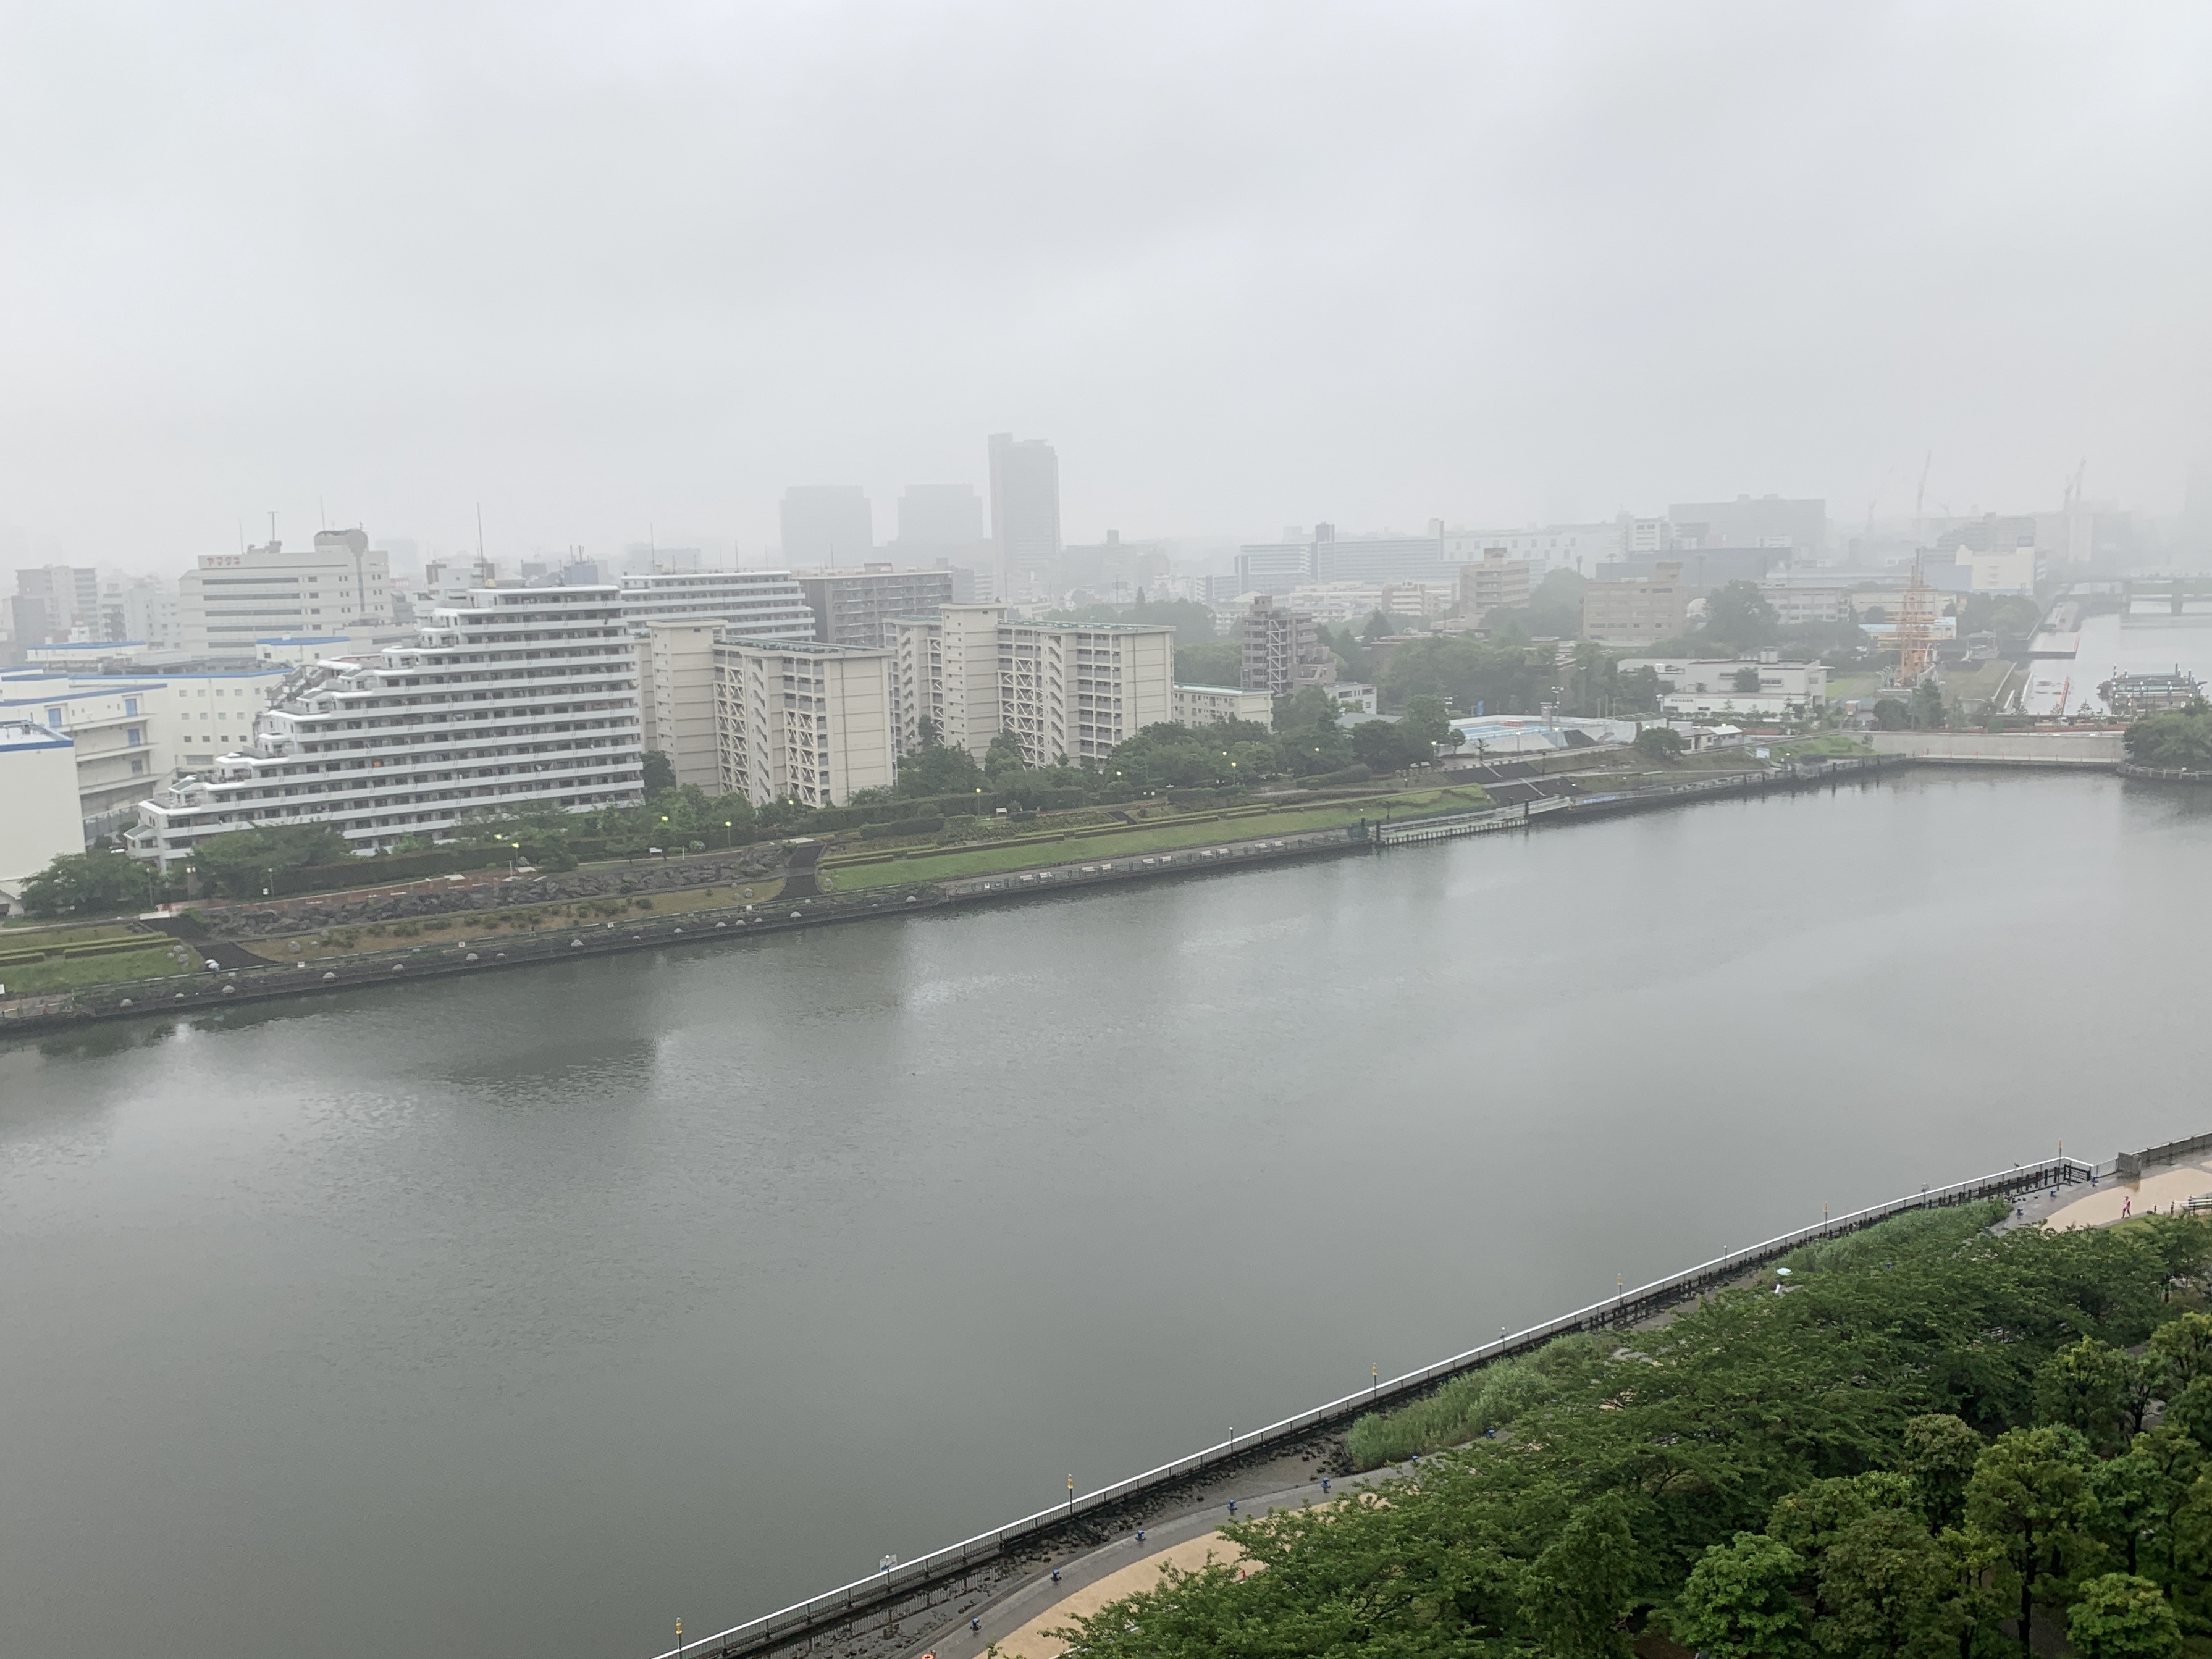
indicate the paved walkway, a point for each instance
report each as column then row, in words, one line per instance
column 2163, row 1186
column 1017, row 1623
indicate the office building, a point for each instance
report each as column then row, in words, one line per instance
column 39, row 819
column 52, row 603
column 827, row 524
column 233, row 598
column 1273, row 567
column 801, row 721
column 1637, row 612
column 1025, row 511
column 1068, row 692
column 1801, row 527
column 145, row 609
column 1704, row 683
column 1795, row 604
column 1543, row 548
column 1283, row 652
column 855, row 607
column 676, row 698
column 939, row 520
column 522, row 698
column 1210, row 705
column 1495, row 582
column 759, row 604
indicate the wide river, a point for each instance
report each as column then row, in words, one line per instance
column 526, row 1314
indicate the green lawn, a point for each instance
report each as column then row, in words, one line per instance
column 60, row 974
column 1167, row 837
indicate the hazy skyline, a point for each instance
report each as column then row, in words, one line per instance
column 1244, row 266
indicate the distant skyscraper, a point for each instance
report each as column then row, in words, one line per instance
column 1024, row 505
column 941, row 518
column 827, row 524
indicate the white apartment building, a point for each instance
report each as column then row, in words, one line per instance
column 757, row 605
column 1210, row 705
column 1068, row 692
column 801, row 721
column 677, row 698
column 1542, row 547
column 233, row 599
column 523, row 697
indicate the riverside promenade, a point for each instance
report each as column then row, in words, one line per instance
column 1002, row 1579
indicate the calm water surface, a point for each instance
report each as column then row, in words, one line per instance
column 524, row 1316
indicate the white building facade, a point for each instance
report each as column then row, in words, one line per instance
column 39, row 818
column 522, row 698
column 1066, row 691
column 231, row 599
column 801, row 721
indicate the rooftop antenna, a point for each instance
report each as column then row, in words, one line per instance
column 479, row 532
column 272, row 526
column 322, row 513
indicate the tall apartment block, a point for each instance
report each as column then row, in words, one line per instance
column 1025, row 507
column 233, row 599
column 1283, row 652
column 799, row 721
column 827, row 524
column 1068, row 692
column 523, row 697
column 676, row 698
column 855, row 607
column 54, row 603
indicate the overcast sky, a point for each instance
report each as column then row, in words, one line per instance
column 606, row 267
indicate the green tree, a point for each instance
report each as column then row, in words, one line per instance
column 1660, row 743
column 240, row 862
column 2177, row 737
column 1741, row 1600
column 2120, row 1616
column 2030, row 1494
column 2086, row 1386
column 1886, row 1583
column 1220, row 662
column 1939, row 1455
column 1891, row 715
column 659, row 773
column 937, row 769
column 1928, row 705
column 88, row 884
column 1381, row 745
column 1575, row 1594
column 1379, row 626
column 1426, row 723
column 1744, row 680
column 1738, row 614
column 1004, row 755
column 2181, row 1351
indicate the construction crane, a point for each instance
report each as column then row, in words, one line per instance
column 1920, row 495
column 1915, row 627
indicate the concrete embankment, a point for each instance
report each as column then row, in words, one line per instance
column 237, row 980
column 2084, row 751
column 1000, row 1568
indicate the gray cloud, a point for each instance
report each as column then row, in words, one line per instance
column 1246, row 264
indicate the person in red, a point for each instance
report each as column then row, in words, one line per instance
column 2127, row 1207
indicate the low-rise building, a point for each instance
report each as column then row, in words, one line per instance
column 1351, row 697
column 1798, row 684
column 1210, row 705
column 521, row 698
column 1637, row 612
column 39, row 819
column 801, row 721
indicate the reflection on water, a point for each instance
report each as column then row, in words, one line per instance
column 520, row 1315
